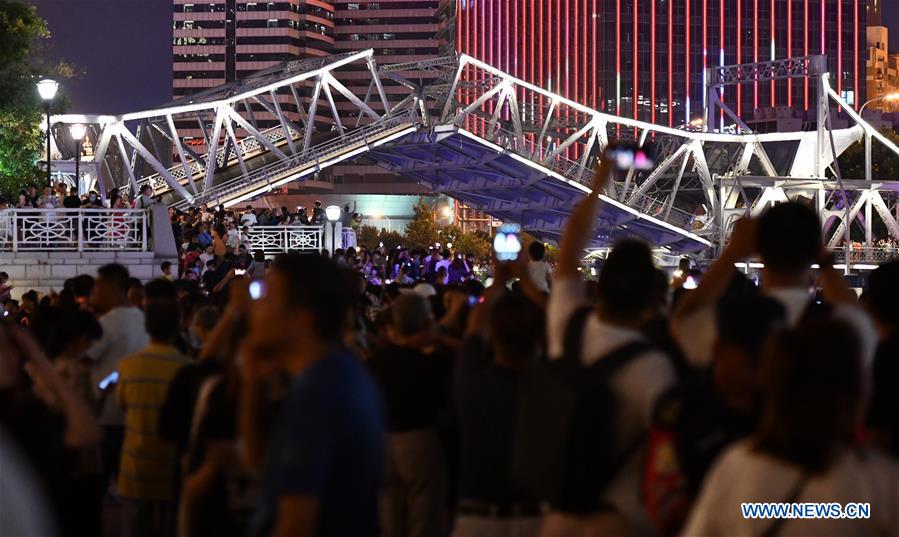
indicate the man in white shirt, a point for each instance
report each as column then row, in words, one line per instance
column 538, row 269
column 788, row 240
column 123, row 334
column 626, row 294
column 248, row 218
column 445, row 261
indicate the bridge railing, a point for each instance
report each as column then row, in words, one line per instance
column 874, row 254
column 272, row 240
column 249, row 145
column 76, row 230
column 325, row 152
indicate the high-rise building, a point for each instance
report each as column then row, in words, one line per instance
column 399, row 31
column 646, row 59
column 882, row 70
column 218, row 41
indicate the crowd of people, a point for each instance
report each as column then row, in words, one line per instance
column 300, row 396
column 64, row 197
column 215, row 245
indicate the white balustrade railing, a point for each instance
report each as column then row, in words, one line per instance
column 272, row 240
column 874, row 254
column 77, row 230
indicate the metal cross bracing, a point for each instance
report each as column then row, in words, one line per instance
column 871, row 210
column 459, row 126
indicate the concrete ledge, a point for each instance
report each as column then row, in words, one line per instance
column 64, row 255
column 43, row 271
column 15, row 271
column 99, row 255
column 135, row 255
column 24, row 255
column 36, row 272
column 141, row 272
column 63, row 271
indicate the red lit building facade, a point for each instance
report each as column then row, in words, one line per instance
column 645, row 59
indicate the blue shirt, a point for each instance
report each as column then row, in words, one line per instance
column 327, row 443
column 204, row 239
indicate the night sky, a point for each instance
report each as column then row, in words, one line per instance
column 124, row 47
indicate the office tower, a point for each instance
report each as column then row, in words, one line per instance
column 646, row 59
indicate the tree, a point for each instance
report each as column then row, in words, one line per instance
column 423, row 230
column 21, row 31
column 884, row 163
column 371, row 237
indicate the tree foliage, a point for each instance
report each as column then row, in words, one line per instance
column 468, row 243
column 884, row 163
column 21, row 31
column 423, row 230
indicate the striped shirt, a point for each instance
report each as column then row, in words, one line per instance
column 147, row 468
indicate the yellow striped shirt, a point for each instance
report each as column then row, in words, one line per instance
column 147, row 468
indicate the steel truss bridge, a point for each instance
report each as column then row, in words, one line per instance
column 464, row 128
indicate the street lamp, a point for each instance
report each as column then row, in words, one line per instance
column 47, row 89
column 332, row 212
column 77, row 130
column 887, row 97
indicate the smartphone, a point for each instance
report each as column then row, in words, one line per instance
column 109, row 380
column 506, row 244
column 257, row 289
column 240, row 272
column 627, row 155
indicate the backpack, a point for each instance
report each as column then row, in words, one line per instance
column 563, row 450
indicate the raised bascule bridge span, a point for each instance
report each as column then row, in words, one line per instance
column 466, row 129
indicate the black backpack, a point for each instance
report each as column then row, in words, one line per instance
column 567, row 417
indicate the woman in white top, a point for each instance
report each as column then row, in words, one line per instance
column 805, row 450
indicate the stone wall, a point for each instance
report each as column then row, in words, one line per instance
column 46, row 271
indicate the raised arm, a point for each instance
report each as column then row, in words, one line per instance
column 581, row 224
column 715, row 281
column 81, row 426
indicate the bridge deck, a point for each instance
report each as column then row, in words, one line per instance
column 510, row 187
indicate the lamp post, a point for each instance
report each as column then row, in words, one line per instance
column 887, row 97
column 77, row 131
column 868, row 159
column 332, row 212
column 47, row 89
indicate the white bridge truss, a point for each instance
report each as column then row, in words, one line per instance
column 480, row 135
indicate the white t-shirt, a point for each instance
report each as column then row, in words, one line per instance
column 445, row 263
column 233, row 238
column 697, row 332
column 248, row 219
column 123, row 334
column 638, row 386
column 742, row 474
column 540, row 271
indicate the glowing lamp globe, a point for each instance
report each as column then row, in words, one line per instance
column 47, row 88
